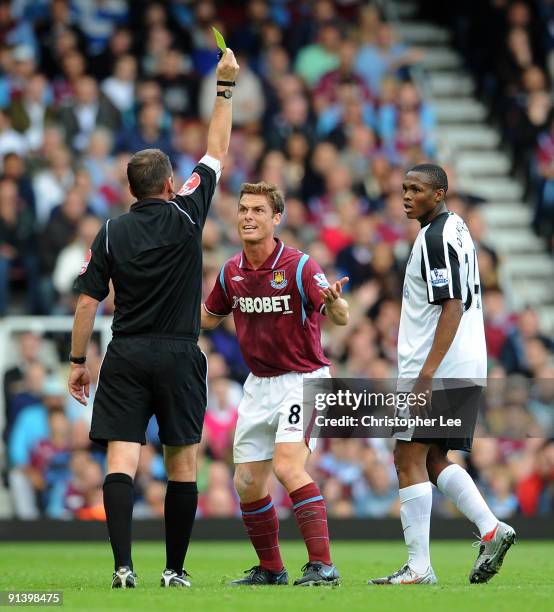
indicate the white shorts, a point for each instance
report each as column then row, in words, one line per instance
column 270, row 412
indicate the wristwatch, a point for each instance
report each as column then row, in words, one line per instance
column 77, row 360
column 226, row 93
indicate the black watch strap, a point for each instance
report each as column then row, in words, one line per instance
column 77, row 360
column 226, row 83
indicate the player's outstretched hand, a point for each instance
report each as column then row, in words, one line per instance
column 79, row 383
column 333, row 292
column 227, row 68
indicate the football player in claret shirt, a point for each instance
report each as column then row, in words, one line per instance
column 278, row 296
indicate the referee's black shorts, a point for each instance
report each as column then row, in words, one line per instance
column 145, row 375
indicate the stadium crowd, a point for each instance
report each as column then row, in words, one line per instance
column 325, row 109
column 514, row 66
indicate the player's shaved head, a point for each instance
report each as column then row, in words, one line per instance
column 423, row 189
column 434, row 175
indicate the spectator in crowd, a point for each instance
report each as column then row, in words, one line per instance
column 73, row 67
column 11, row 141
column 49, row 28
column 376, row 494
column 89, row 110
column 70, row 260
column 325, row 92
column 119, row 45
column 99, row 20
column 119, row 87
column 543, row 221
column 17, row 246
column 59, row 232
column 534, row 491
column 48, row 468
column 62, row 228
column 30, row 426
column 499, row 496
column 83, row 497
column 498, row 321
column 52, row 184
column 354, row 260
column 487, row 257
column 315, row 60
column 382, row 57
column 32, row 112
column 22, row 387
column 15, row 169
column 523, row 342
column 149, row 133
column 221, row 417
column 179, row 85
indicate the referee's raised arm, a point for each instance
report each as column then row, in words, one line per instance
column 198, row 189
column 219, row 131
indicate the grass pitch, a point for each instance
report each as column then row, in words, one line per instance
column 83, row 572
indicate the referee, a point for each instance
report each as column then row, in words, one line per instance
column 153, row 257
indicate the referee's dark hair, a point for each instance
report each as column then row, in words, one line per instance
column 436, row 175
column 147, row 172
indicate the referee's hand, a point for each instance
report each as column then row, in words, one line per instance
column 79, row 383
column 227, row 68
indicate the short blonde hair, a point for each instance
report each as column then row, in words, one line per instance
column 274, row 195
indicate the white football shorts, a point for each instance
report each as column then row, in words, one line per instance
column 270, row 412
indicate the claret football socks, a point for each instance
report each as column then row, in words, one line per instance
column 311, row 516
column 262, row 526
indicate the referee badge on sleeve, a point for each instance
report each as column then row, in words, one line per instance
column 190, row 185
column 86, row 262
column 439, row 277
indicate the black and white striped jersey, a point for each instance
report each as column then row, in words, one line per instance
column 442, row 265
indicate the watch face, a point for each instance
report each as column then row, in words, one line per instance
column 227, row 93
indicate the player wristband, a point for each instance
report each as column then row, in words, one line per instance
column 226, row 83
column 77, row 360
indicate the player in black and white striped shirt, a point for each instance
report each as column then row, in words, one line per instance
column 441, row 336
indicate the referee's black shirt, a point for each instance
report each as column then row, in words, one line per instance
column 153, row 255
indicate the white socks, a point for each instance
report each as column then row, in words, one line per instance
column 459, row 487
column 415, row 514
column 415, row 511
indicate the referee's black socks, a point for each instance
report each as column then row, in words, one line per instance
column 119, row 496
column 181, row 499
